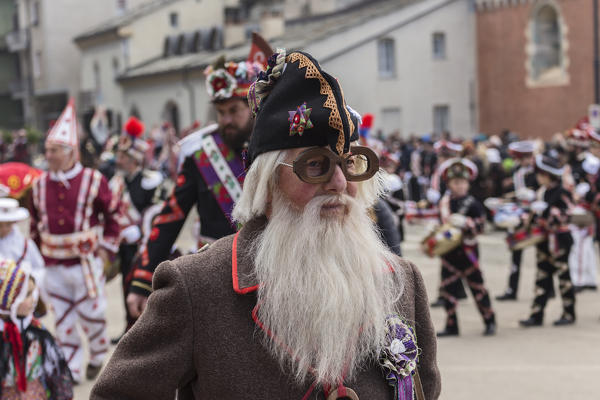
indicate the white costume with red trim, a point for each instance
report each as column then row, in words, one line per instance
column 71, row 219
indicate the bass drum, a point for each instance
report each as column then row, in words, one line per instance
column 441, row 240
column 525, row 237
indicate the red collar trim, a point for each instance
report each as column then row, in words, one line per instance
column 234, row 270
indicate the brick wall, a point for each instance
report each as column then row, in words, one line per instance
column 505, row 101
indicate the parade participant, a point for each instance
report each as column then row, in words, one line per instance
column 283, row 315
column 77, row 233
column 210, row 175
column 463, row 211
column 136, row 192
column 578, row 144
column 523, row 185
column 582, row 257
column 32, row 366
column 445, row 150
column 552, row 254
column 13, row 245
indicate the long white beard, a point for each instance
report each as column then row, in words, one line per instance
column 326, row 287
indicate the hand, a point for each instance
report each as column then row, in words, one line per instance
column 433, row 196
column 131, row 234
column 136, row 303
column 582, row 189
column 457, row 220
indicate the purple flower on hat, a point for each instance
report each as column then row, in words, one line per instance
column 300, row 120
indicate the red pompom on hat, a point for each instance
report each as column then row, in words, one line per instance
column 134, row 127
column 367, row 121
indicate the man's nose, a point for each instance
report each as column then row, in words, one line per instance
column 338, row 182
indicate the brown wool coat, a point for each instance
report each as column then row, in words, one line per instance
column 197, row 334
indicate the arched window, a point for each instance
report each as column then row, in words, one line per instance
column 547, row 59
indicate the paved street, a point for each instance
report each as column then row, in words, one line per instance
column 542, row 363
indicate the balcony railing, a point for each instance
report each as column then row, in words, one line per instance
column 17, row 40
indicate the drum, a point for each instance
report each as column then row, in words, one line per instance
column 581, row 217
column 419, row 211
column 442, row 240
column 525, row 237
column 508, row 216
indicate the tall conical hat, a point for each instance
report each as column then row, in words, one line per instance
column 64, row 130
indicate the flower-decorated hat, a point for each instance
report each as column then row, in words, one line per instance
column 458, row 168
column 131, row 141
column 226, row 80
column 297, row 104
column 13, row 286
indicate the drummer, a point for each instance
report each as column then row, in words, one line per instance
column 463, row 211
column 524, row 186
column 444, row 150
column 552, row 254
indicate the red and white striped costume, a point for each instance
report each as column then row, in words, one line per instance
column 67, row 225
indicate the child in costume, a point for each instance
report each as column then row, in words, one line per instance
column 32, row 366
column 461, row 210
column 552, row 255
column 15, row 246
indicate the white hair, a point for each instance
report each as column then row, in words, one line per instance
column 326, row 288
column 261, row 181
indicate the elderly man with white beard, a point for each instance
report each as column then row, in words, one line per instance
column 305, row 301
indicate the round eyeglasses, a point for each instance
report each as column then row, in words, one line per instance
column 317, row 165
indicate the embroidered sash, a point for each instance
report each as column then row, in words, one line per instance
column 222, row 170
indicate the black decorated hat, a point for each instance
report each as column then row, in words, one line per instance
column 549, row 163
column 297, row 104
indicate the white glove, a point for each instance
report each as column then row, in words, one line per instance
column 525, row 194
column 131, row 234
column 433, row 196
column 393, row 183
column 582, row 189
column 539, row 206
column 457, row 220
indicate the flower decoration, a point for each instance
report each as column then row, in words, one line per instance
column 265, row 80
column 399, row 356
column 220, row 84
column 300, row 120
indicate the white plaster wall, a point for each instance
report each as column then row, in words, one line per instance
column 151, row 96
column 148, row 33
column 103, row 54
column 421, row 82
column 60, row 22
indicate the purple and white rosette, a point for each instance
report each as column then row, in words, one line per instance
column 399, row 357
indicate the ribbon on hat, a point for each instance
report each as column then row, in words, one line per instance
column 13, row 336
